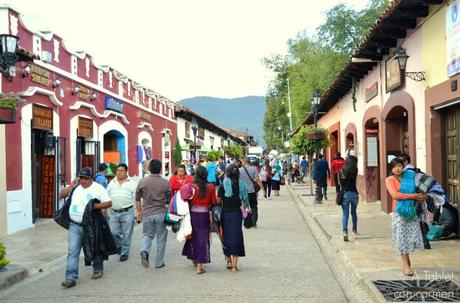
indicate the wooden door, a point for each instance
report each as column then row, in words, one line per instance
column 452, row 156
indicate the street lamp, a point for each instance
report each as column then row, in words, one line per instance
column 8, row 56
column 315, row 105
column 401, row 58
column 289, row 103
column 194, row 129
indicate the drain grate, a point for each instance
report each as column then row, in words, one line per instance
column 418, row 290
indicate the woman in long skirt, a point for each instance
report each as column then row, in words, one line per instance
column 407, row 235
column 197, row 248
column 233, row 195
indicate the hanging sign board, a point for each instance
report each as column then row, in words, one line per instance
column 372, row 152
column 85, row 127
column 393, row 75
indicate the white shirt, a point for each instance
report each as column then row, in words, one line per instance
column 122, row 195
column 81, row 196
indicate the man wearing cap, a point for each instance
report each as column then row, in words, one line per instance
column 100, row 176
column 250, row 176
column 84, row 191
column 122, row 191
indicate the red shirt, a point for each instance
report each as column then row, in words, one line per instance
column 177, row 183
column 208, row 199
column 337, row 164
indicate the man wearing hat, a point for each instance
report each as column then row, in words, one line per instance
column 84, row 190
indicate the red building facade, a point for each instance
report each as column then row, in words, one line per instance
column 74, row 113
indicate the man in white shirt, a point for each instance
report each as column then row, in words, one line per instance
column 85, row 190
column 122, row 191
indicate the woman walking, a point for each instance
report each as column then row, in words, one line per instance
column 407, row 235
column 266, row 177
column 347, row 179
column 277, row 174
column 179, row 179
column 233, row 195
column 197, row 249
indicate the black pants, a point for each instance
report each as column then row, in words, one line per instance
column 321, row 190
column 251, row 220
column 267, row 187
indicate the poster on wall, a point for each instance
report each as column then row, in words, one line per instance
column 453, row 39
column 372, row 152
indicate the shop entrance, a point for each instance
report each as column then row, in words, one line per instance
column 333, row 150
column 372, row 171
column 43, row 174
column 451, row 132
column 397, row 135
column 114, row 147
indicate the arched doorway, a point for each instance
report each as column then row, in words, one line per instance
column 371, row 159
column 351, row 138
column 114, row 146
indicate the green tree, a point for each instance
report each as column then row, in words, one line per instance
column 234, row 151
column 3, row 260
column 214, row 155
column 302, row 145
column 177, row 153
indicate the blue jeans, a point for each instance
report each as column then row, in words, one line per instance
column 154, row 226
column 350, row 198
column 75, row 241
column 121, row 226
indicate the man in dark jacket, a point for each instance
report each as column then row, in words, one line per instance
column 322, row 173
column 82, row 194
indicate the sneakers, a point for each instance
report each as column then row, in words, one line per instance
column 97, row 275
column 69, row 283
column 145, row 259
column 123, row 258
column 161, row 266
column 345, row 237
column 325, row 197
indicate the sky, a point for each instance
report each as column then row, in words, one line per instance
column 182, row 48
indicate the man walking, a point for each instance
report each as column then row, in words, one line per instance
column 337, row 164
column 101, row 175
column 249, row 176
column 155, row 193
column 83, row 191
column 122, row 191
column 303, row 169
column 322, row 173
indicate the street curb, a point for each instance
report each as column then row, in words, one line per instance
column 363, row 283
column 13, row 275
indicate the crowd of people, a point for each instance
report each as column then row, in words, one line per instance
column 93, row 206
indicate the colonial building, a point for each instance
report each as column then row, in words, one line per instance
column 209, row 136
column 73, row 113
column 399, row 94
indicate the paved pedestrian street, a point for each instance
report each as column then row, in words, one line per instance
column 283, row 264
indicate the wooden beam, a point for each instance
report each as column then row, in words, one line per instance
column 415, row 11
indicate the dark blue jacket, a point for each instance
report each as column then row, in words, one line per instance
column 322, row 170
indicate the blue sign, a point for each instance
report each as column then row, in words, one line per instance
column 113, row 104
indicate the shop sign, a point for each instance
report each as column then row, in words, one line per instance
column 372, row 92
column 40, row 75
column 42, row 117
column 85, row 93
column 201, row 133
column 144, row 116
column 85, row 127
column 393, row 75
column 372, row 152
column 7, row 115
column 113, row 104
column 453, row 38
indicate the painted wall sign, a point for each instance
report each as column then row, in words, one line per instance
column 113, row 104
column 85, row 127
column 372, row 152
column 144, row 116
column 393, row 75
column 40, row 75
column 42, row 117
column 85, row 93
column 372, row 92
column 453, row 38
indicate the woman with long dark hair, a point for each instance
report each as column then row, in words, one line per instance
column 197, row 249
column 347, row 179
column 406, row 232
column 233, row 195
column 179, row 179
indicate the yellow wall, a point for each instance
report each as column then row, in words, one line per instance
column 434, row 47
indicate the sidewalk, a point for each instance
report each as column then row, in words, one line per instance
column 369, row 255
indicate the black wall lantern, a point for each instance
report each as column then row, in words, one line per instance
column 8, row 56
column 401, row 57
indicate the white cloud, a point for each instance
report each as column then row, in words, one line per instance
column 181, row 48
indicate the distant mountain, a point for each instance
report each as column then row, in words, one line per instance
column 245, row 113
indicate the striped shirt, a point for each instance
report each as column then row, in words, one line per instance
column 122, row 195
column 245, row 177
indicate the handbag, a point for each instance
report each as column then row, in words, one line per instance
column 216, row 212
column 282, row 181
column 256, row 186
column 246, row 211
column 339, row 197
column 62, row 216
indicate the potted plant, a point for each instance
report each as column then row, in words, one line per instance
column 8, row 104
column 3, row 261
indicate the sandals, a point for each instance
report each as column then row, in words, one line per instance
column 201, row 272
column 229, row 264
column 234, row 269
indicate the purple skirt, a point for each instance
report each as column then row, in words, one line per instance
column 198, row 249
column 233, row 234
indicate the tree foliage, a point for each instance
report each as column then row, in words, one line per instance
column 177, row 153
column 234, row 151
column 301, row 145
column 214, row 155
column 313, row 62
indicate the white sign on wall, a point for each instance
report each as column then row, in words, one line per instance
column 372, row 152
column 453, row 38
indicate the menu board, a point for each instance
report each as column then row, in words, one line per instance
column 372, row 152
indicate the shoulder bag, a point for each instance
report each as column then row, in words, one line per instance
column 339, row 197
